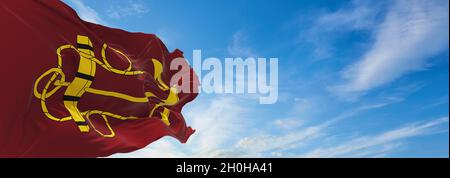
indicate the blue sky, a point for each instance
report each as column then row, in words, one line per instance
column 356, row 78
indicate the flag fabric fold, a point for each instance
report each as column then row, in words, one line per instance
column 71, row 88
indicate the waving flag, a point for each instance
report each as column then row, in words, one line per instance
column 71, row 88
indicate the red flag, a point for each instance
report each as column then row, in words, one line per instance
column 71, row 88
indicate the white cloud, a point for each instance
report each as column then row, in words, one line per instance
column 221, row 132
column 217, row 122
column 361, row 15
column 288, row 123
column 327, row 27
column 130, row 9
column 220, row 121
column 168, row 36
column 237, row 48
column 87, row 13
column 412, row 32
column 163, row 148
column 382, row 143
column 257, row 146
column 302, row 105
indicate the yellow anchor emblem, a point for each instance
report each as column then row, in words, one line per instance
column 83, row 80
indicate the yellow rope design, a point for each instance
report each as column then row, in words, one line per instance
column 172, row 98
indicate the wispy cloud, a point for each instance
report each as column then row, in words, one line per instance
column 221, row 123
column 412, row 32
column 288, row 123
column 327, row 26
column 131, row 8
column 222, row 127
column 217, row 122
column 358, row 16
column 237, row 47
column 437, row 102
column 385, row 142
column 260, row 145
column 87, row 13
